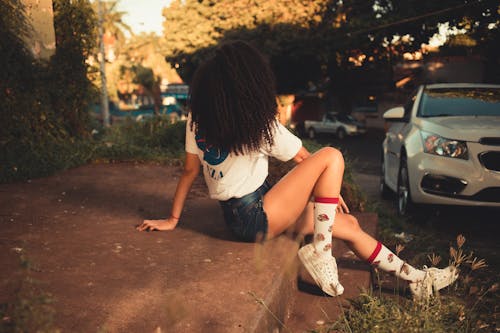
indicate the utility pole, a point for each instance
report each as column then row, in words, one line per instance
column 102, row 66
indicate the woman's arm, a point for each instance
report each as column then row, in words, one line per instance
column 191, row 170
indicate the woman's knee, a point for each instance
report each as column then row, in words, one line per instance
column 332, row 156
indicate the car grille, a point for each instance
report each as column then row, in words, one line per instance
column 490, row 194
column 490, row 141
column 490, row 160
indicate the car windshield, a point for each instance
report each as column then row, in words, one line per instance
column 346, row 118
column 443, row 102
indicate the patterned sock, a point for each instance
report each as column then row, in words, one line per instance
column 324, row 216
column 387, row 261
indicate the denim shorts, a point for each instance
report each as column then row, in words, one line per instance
column 245, row 216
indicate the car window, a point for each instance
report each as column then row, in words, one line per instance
column 330, row 117
column 345, row 118
column 460, row 102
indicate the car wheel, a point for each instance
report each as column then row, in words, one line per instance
column 301, row 130
column 341, row 133
column 404, row 203
column 384, row 190
column 312, row 133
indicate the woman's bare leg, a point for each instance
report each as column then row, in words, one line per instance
column 304, row 224
column 346, row 228
column 365, row 246
column 287, row 203
column 319, row 175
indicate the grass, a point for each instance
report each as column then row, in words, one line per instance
column 30, row 309
column 154, row 140
column 464, row 307
column 369, row 313
column 456, row 310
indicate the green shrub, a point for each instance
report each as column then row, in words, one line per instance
column 26, row 159
column 154, row 139
column 44, row 103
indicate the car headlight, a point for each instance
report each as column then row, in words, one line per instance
column 437, row 145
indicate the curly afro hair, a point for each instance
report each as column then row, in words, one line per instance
column 233, row 99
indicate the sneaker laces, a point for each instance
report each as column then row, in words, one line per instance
column 434, row 280
column 323, row 269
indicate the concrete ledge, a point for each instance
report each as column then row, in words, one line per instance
column 77, row 228
column 246, row 287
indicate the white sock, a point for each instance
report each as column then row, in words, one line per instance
column 387, row 261
column 324, row 216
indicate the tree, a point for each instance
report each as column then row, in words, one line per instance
column 192, row 28
column 46, row 99
column 16, row 64
column 304, row 37
column 139, row 68
column 75, row 40
column 113, row 24
column 44, row 103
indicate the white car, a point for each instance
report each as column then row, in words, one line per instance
column 443, row 147
column 341, row 125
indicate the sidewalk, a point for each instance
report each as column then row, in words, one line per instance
column 77, row 230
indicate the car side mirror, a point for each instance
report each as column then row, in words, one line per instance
column 395, row 114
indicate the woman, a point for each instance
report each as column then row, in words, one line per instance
column 231, row 131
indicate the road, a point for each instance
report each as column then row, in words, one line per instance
column 480, row 226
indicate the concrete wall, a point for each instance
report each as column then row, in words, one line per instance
column 42, row 41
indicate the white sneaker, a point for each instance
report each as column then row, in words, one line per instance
column 323, row 269
column 435, row 279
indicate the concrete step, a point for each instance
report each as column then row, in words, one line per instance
column 77, row 230
column 227, row 285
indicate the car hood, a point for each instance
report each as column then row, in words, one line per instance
column 467, row 128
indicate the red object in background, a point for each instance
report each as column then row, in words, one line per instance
column 307, row 108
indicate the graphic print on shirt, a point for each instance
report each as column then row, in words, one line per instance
column 213, row 156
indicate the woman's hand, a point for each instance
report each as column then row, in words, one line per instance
column 301, row 155
column 342, row 206
column 161, row 225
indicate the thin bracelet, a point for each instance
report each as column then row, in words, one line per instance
column 173, row 217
